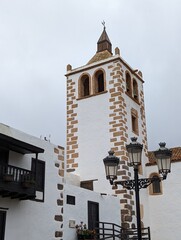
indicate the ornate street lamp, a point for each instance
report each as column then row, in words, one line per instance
column 111, row 166
column 111, row 162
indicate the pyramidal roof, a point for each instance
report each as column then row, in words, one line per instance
column 104, row 48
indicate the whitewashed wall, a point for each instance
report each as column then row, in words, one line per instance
column 29, row 219
column 165, row 209
column 108, row 208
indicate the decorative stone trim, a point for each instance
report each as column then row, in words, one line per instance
column 143, row 125
column 59, row 151
column 119, row 137
column 72, row 129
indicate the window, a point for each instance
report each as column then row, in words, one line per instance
column 99, row 82
column 38, row 166
column 155, row 187
column 71, row 200
column 84, row 86
column 135, row 89
column 134, row 121
column 128, row 84
column 2, row 224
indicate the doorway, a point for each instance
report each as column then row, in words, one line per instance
column 93, row 215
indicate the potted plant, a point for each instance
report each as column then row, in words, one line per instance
column 84, row 233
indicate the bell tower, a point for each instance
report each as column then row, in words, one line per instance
column 105, row 108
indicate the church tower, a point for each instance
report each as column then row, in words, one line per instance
column 105, row 108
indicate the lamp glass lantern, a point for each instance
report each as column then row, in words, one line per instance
column 111, row 163
column 163, row 159
column 135, row 152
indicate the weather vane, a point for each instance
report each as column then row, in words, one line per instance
column 104, row 24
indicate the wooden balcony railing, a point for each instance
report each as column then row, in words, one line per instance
column 13, row 182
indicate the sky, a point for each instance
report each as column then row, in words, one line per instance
column 38, row 38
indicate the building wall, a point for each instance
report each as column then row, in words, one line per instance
column 28, row 219
column 165, row 212
column 101, row 122
column 108, row 208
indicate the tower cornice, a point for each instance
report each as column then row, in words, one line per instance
column 102, row 62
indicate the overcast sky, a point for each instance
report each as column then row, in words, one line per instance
column 38, row 38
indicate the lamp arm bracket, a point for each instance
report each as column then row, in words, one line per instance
column 142, row 183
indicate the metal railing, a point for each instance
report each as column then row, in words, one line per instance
column 113, row 231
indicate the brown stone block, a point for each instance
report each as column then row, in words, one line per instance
column 70, row 151
column 61, row 173
column 120, row 191
column 115, row 94
column 127, row 196
column 128, row 206
column 60, row 186
column 112, row 130
column 74, row 138
column 111, row 99
column 70, row 112
column 70, row 161
column 112, row 90
column 121, row 173
column 75, row 155
column 56, row 150
column 74, row 122
column 59, row 202
column 75, row 165
column 75, row 146
column 112, row 114
column 125, row 167
column 116, row 134
column 128, row 218
column 69, row 102
column 69, row 88
column 58, row 234
column 74, row 105
column 60, row 157
column 71, row 142
column 113, row 139
column 74, row 130
column 125, row 178
column 123, row 201
column 124, row 211
column 70, row 170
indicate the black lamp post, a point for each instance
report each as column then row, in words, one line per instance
column 111, row 162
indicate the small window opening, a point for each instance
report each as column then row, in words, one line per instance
column 135, row 90
column 84, row 86
column 134, row 121
column 128, row 83
column 99, row 82
column 70, row 200
column 156, row 185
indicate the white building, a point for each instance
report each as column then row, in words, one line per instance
column 35, row 198
column 31, row 187
column 105, row 108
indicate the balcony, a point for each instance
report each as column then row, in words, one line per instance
column 16, row 182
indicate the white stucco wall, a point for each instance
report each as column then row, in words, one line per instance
column 165, row 210
column 30, row 219
column 108, row 208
